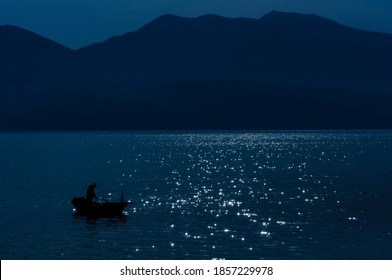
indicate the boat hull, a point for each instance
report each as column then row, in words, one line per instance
column 95, row 209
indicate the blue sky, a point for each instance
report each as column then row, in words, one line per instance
column 77, row 23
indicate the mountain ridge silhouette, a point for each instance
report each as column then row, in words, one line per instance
column 282, row 71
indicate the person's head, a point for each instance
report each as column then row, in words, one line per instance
column 93, row 185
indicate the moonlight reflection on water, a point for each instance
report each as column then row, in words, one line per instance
column 262, row 195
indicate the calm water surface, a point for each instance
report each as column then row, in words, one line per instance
column 262, row 195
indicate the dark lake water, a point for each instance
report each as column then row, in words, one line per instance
column 199, row 195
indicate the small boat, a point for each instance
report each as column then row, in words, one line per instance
column 99, row 209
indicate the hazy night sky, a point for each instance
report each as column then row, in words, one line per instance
column 77, row 23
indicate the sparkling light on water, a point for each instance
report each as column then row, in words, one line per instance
column 211, row 195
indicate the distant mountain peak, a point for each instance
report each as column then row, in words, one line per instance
column 8, row 28
column 287, row 18
column 4, row 26
column 280, row 14
column 168, row 17
column 17, row 37
column 174, row 25
column 163, row 20
column 211, row 16
column 172, row 17
column 170, row 22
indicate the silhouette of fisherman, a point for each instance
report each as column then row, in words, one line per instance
column 90, row 195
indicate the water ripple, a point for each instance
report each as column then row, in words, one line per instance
column 203, row 195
